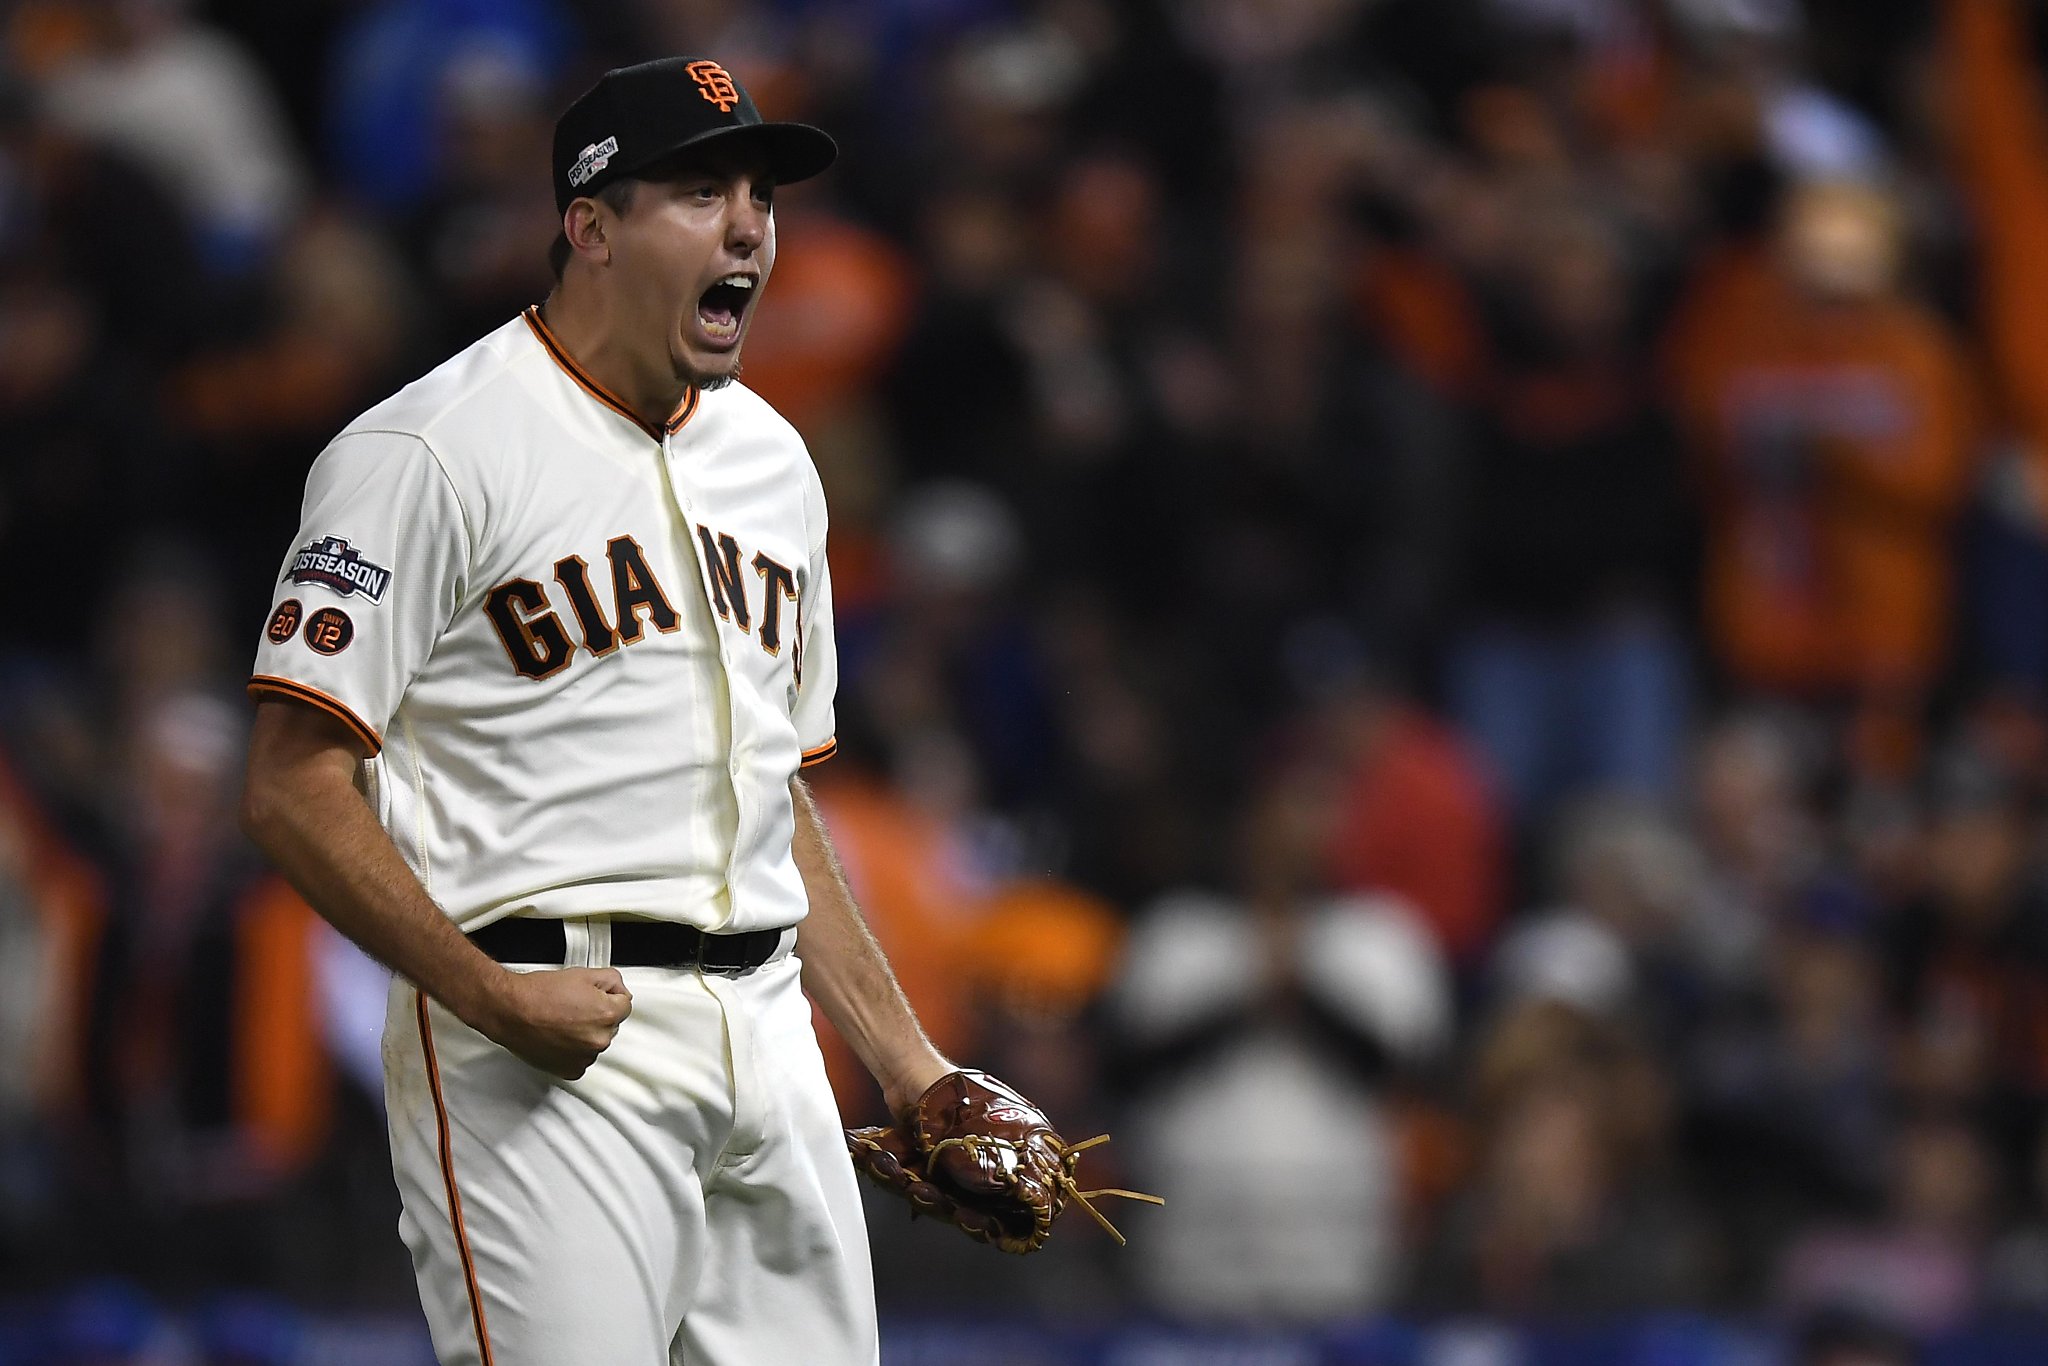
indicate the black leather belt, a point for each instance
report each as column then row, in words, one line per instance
column 635, row 944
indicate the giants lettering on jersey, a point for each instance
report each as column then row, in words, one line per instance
column 537, row 641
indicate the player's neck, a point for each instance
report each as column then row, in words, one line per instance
column 590, row 333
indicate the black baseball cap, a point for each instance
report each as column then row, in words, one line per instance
column 637, row 115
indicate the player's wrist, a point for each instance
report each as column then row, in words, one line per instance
column 909, row 1077
column 485, row 999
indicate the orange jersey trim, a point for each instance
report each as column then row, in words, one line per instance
column 684, row 410
column 476, row 1299
column 821, row 753
column 270, row 685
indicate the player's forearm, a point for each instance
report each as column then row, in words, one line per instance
column 848, row 976
column 301, row 808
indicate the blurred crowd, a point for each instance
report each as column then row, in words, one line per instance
column 1444, row 615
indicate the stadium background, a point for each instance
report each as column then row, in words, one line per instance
column 1445, row 618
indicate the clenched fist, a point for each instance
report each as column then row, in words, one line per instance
column 561, row 1019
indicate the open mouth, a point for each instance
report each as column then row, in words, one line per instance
column 724, row 306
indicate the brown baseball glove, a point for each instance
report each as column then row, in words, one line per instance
column 978, row 1155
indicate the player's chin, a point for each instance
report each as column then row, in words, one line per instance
column 709, row 367
column 719, row 375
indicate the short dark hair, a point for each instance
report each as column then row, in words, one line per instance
column 617, row 196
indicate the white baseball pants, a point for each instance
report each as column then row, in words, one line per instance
column 687, row 1202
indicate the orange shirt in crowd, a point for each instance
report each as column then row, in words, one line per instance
column 281, row 1079
column 906, row 873
column 1415, row 304
column 2000, row 141
column 283, row 1076
column 1836, row 445
column 830, row 322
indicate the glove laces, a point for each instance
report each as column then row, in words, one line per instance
column 1069, row 1160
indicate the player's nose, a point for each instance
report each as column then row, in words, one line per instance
column 746, row 227
column 744, row 236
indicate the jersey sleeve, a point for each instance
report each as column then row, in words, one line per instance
column 371, row 582
column 817, row 664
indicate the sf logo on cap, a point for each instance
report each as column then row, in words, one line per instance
column 714, row 85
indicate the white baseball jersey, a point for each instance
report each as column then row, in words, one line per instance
column 587, row 655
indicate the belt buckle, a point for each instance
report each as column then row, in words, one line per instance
column 704, row 942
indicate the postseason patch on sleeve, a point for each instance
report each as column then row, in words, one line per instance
column 332, row 563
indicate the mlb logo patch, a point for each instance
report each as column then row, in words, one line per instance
column 593, row 159
column 334, row 564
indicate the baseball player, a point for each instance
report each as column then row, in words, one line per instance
column 546, row 656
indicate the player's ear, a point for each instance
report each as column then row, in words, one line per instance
column 583, row 224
